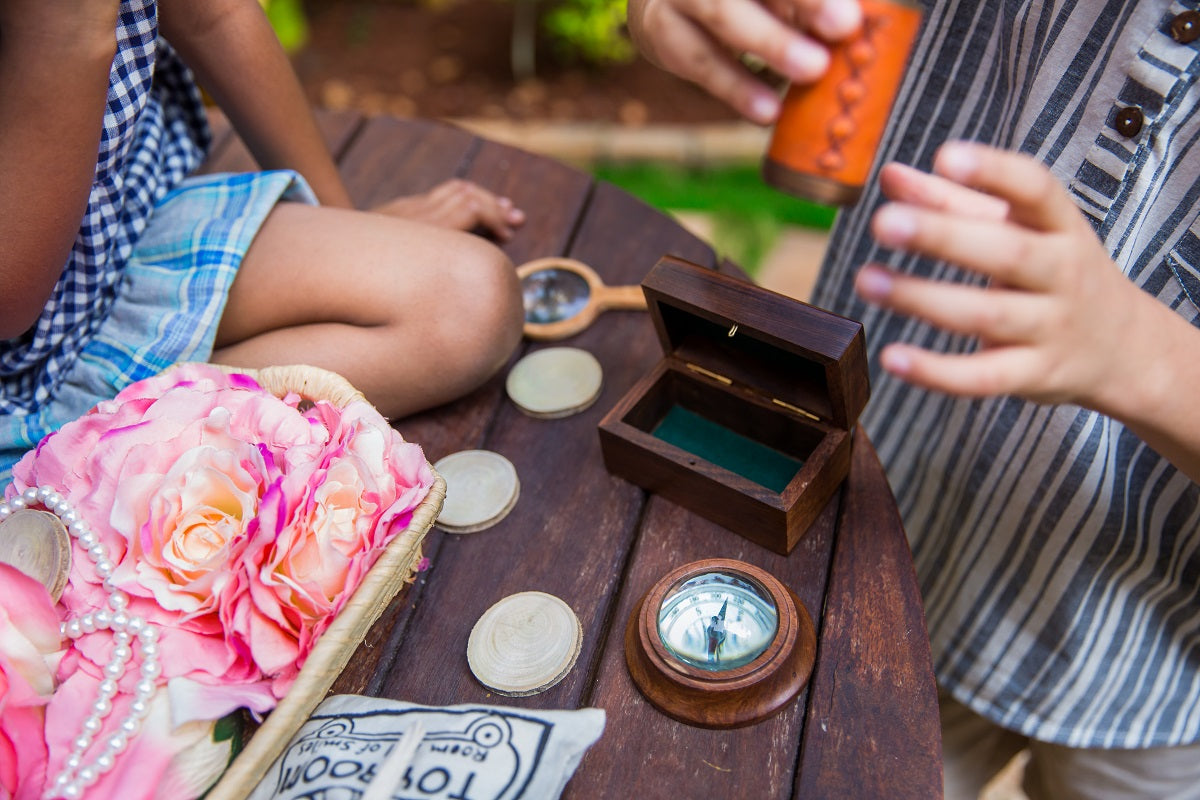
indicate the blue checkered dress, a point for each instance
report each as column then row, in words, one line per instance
column 156, row 253
column 154, row 134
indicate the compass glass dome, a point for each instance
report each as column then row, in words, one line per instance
column 717, row 621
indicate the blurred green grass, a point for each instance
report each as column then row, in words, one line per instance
column 747, row 215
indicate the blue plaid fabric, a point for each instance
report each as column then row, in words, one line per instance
column 155, row 133
column 173, row 291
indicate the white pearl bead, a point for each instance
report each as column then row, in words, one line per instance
column 114, row 669
column 103, row 618
column 130, row 725
column 97, row 552
column 88, row 623
column 92, row 725
column 30, row 495
column 4, row 510
column 87, row 776
column 87, row 539
column 122, row 637
column 80, row 529
column 118, row 742
column 145, row 687
column 72, row 762
column 151, row 669
column 122, row 653
column 74, row 629
column 148, row 634
column 107, row 688
column 105, row 761
column 149, row 649
column 82, row 742
column 117, row 601
column 102, row 706
column 44, row 492
column 17, row 503
column 104, row 568
column 139, row 707
column 120, row 617
column 69, row 517
column 71, row 791
column 135, row 625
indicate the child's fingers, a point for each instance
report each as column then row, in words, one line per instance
column 905, row 184
column 996, row 316
column 1035, row 197
column 998, row 371
column 997, row 249
column 700, row 40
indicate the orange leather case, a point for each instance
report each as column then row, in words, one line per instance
column 825, row 139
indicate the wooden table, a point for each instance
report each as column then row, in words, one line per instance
column 866, row 726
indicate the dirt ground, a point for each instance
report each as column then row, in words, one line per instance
column 452, row 59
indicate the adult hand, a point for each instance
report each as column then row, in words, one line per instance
column 1058, row 321
column 461, row 205
column 701, row 40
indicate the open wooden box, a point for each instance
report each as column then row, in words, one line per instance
column 746, row 420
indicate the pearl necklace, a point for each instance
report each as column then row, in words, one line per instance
column 76, row 776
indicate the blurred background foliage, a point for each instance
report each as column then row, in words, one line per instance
column 584, row 31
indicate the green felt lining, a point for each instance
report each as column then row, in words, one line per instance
column 719, row 445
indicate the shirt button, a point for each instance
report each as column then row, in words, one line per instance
column 1185, row 28
column 1129, row 121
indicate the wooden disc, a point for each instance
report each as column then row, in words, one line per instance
column 555, row 382
column 524, row 644
column 37, row 543
column 481, row 488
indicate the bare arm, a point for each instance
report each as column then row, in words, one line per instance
column 236, row 56
column 55, row 58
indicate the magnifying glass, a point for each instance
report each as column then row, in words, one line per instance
column 563, row 297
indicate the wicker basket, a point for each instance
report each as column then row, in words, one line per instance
column 329, row 656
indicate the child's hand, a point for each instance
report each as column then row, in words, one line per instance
column 1058, row 321
column 699, row 40
column 461, row 205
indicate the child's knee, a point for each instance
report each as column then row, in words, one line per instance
column 491, row 314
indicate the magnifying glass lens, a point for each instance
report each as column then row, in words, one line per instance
column 552, row 295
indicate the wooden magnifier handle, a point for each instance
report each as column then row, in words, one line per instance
column 621, row 298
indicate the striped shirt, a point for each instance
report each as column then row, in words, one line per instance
column 154, row 134
column 1059, row 556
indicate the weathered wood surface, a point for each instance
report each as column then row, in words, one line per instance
column 867, row 724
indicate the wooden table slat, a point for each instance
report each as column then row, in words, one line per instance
column 873, row 688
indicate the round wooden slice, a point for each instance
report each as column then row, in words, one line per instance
column 37, row 543
column 555, row 382
column 481, row 488
column 524, row 644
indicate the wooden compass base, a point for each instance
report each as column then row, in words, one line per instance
column 747, row 695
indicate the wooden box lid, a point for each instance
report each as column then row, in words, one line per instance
column 789, row 352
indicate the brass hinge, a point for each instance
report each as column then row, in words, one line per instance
column 708, row 373
column 716, row 376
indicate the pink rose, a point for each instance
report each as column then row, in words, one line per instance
column 30, row 645
column 339, row 508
